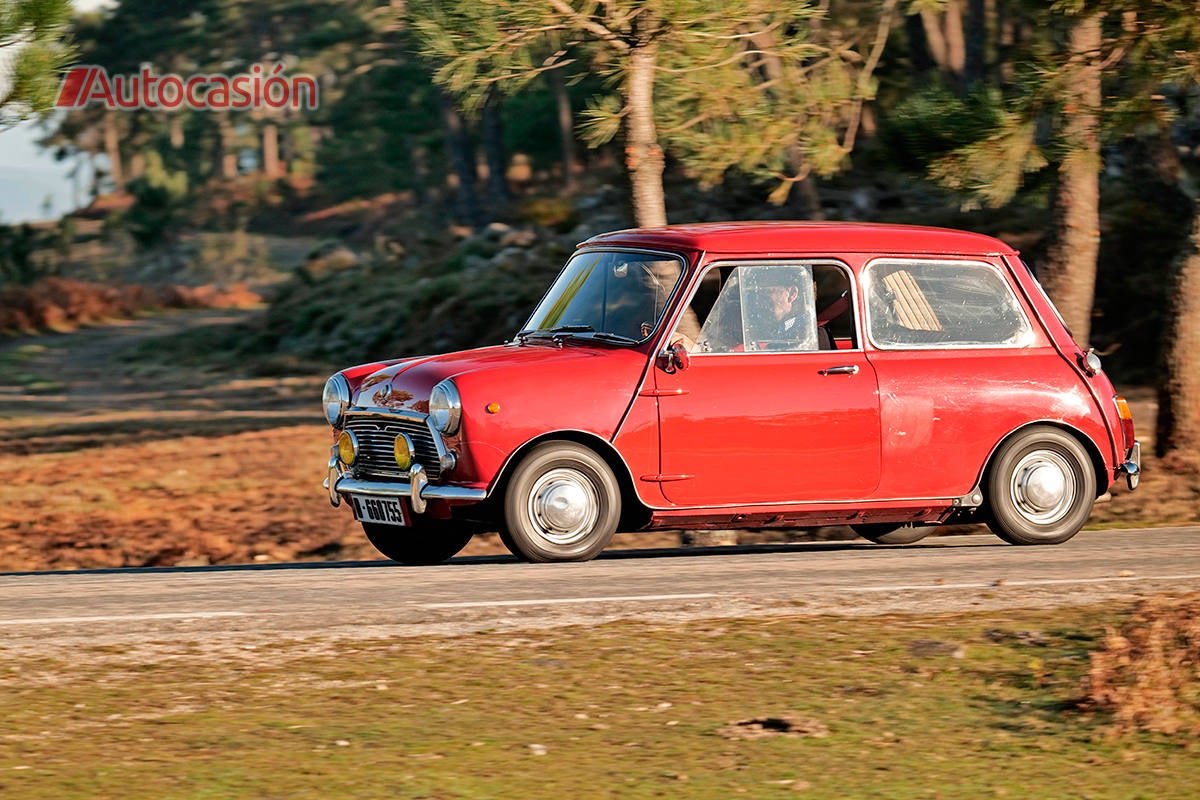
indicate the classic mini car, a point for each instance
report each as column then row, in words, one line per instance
column 742, row 375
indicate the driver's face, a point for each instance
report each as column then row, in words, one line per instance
column 782, row 298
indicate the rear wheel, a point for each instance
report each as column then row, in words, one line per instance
column 1041, row 487
column 563, row 503
column 889, row 533
column 427, row 541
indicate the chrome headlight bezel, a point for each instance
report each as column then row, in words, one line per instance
column 336, row 399
column 445, row 407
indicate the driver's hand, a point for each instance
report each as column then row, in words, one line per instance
column 679, row 337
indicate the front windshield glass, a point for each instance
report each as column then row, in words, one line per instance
column 620, row 294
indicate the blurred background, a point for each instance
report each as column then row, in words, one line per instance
column 176, row 285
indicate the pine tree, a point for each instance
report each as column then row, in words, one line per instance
column 768, row 88
column 33, row 55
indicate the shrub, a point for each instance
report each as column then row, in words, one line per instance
column 1148, row 673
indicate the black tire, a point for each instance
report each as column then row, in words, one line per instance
column 563, row 503
column 1041, row 487
column 891, row 533
column 426, row 542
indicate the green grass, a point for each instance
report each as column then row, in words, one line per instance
column 13, row 364
column 623, row 710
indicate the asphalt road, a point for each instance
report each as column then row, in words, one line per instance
column 367, row 600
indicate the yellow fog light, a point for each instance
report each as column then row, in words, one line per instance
column 347, row 445
column 403, row 449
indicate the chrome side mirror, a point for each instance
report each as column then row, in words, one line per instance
column 674, row 359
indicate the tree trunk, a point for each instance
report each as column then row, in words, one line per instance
column 176, row 128
column 944, row 37
column 1069, row 273
column 935, row 39
column 1178, row 428
column 493, row 150
column 1008, row 35
column 462, row 160
column 420, row 168
column 270, row 151
column 112, row 149
column 229, row 158
column 643, row 157
column 956, row 40
column 566, row 129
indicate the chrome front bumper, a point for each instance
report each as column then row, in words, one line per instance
column 1132, row 466
column 417, row 489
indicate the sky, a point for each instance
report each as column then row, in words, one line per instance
column 30, row 179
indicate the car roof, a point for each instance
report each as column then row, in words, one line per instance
column 783, row 238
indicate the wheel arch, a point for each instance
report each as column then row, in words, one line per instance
column 1102, row 478
column 634, row 513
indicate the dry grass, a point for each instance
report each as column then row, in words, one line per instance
column 1147, row 673
column 64, row 304
column 807, row 707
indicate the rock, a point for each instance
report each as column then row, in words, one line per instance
column 331, row 256
column 519, row 238
column 496, row 231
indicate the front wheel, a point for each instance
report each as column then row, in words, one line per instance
column 428, row 541
column 1041, row 487
column 563, row 503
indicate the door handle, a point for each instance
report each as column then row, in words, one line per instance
column 851, row 369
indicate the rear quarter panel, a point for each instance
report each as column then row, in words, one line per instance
column 944, row 412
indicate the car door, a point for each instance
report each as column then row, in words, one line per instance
column 760, row 414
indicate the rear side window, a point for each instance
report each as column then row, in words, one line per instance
column 940, row 304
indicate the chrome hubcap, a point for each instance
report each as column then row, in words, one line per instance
column 564, row 505
column 1044, row 487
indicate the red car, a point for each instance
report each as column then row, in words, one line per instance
column 742, row 375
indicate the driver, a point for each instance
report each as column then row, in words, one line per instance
column 788, row 317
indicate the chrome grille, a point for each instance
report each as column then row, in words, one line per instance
column 376, row 438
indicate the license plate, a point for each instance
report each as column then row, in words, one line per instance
column 380, row 510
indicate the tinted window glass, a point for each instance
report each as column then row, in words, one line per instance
column 937, row 304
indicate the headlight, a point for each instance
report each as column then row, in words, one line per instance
column 347, row 445
column 336, row 398
column 445, row 407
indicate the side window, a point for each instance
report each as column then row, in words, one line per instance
column 914, row 304
column 768, row 307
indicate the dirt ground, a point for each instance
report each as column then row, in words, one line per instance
column 109, row 463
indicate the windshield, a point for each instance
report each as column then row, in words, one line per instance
column 608, row 294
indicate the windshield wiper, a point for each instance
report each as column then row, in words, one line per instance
column 552, row 333
column 615, row 338
column 561, row 330
column 525, row 334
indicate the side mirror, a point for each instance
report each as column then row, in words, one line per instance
column 674, row 359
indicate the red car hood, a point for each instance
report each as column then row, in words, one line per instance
column 576, row 367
